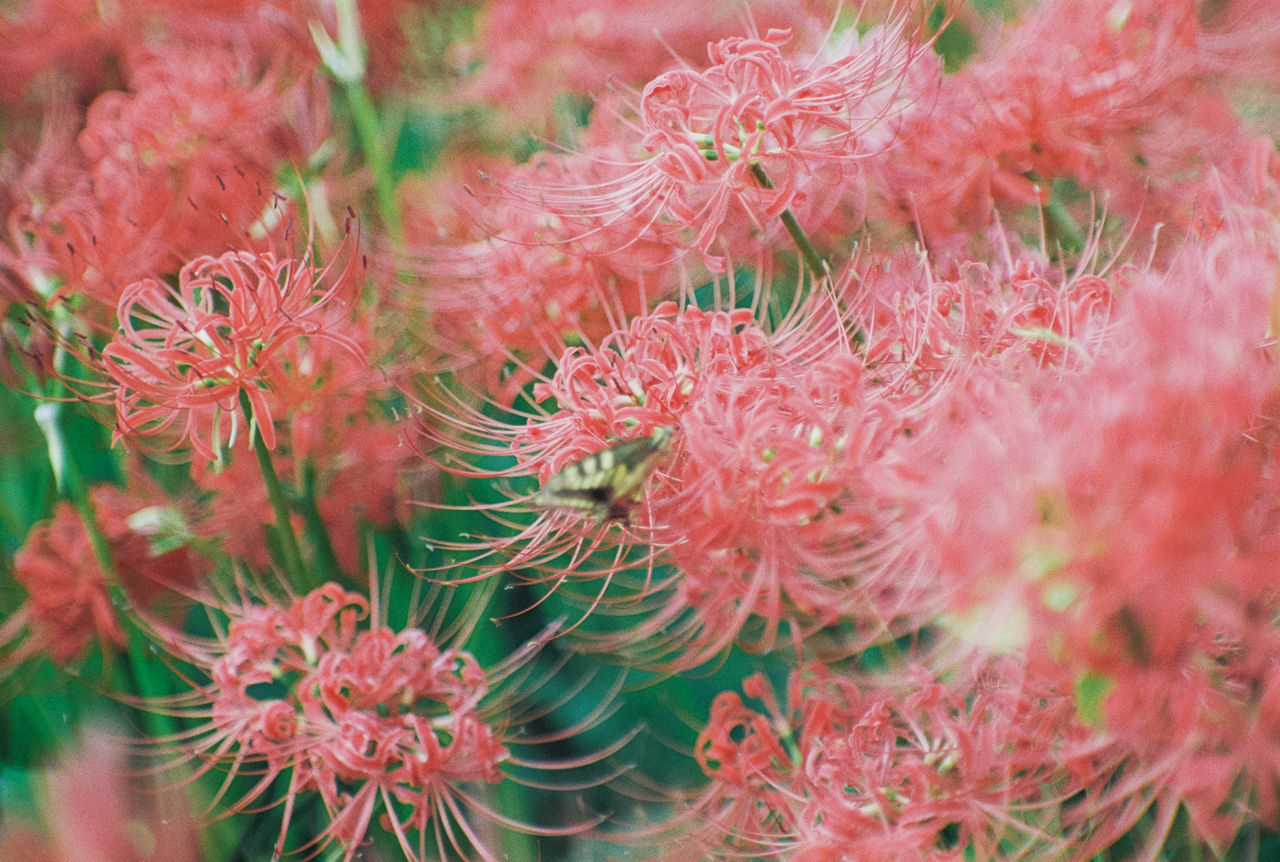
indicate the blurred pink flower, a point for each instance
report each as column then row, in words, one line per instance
column 1121, row 524
column 96, row 809
column 69, row 602
column 578, row 47
column 180, row 162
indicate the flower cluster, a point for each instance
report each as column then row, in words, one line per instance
column 231, row 328
column 68, row 572
column 863, row 423
column 845, row 771
column 180, row 164
column 1137, row 553
column 756, row 133
column 368, row 719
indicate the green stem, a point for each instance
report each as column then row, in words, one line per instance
column 369, row 131
column 812, row 259
column 70, row 485
column 299, row 576
column 317, row 533
column 1070, row 237
column 147, row 675
column 68, row 480
column 138, row 673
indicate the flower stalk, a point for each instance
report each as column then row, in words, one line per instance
column 289, row 548
column 816, row 263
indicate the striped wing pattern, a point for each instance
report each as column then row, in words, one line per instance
column 608, row 483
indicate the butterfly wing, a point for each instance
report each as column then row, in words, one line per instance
column 607, row 483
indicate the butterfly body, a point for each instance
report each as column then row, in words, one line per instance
column 608, row 483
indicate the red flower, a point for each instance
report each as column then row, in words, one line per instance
column 515, row 283
column 1128, row 102
column 995, row 765
column 69, row 603
column 373, row 721
column 573, row 46
column 232, row 325
column 1016, row 319
column 776, row 501
column 85, row 40
column 1120, row 525
column 756, row 132
column 180, row 164
column 782, row 507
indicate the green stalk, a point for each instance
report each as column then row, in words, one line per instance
column 345, row 59
column 812, row 259
column 299, row 575
column 67, row 478
column 70, row 486
column 317, row 534
column 136, row 675
column 369, row 132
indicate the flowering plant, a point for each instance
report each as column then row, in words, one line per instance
column 597, row 430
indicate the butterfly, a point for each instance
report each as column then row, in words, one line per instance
column 608, row 483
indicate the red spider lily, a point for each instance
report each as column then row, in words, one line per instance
column 786, row 507
column 1122, row 522
column 180, row 164
column 373, row 721
column 516, row 284
column 996, row 768
column 86, row 41
column 774, row 505
column 573, row 46
column 1015, row 319
column 1136, row 110
column 69, row 601
column 232, row 326
column 336, row 444
column 755, row 133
